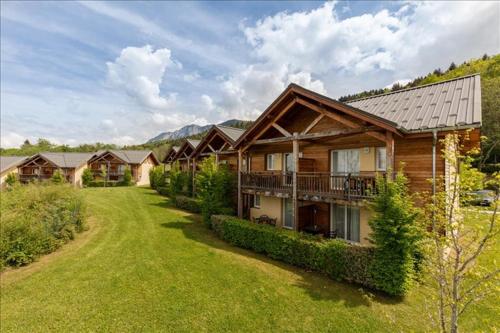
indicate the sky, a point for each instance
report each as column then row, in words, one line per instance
column 122, row 72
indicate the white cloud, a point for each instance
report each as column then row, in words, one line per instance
column 123, row 140
column 207, row 102
column 139, row 71
column 318, row 50
column 11, row 140
column 191, row 77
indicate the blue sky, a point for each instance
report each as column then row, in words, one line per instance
column 121, row 72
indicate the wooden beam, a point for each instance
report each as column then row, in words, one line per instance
column 295, row 154
column 281, row 129
column 389, row 150
column 313, row 123
column 240, row 202
column 314, row 136
column 280, row 114
column 209, row 146
column 340, row 119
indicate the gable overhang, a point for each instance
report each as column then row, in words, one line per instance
column 35, row 157
column 104, row 154
column 295, row 95
column 170, row 157
column 182, row 150
column 204, row 143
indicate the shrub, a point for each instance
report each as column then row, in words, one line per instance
column 11, row 179
column 187, row 203
column 336, row 258
column 109, row 183
column 163, row 190
column 127, row 177
column 58, row 177
column 395, row 236
column 37, row 219
column 215, row 188
column 87, row 177
column 156, row 177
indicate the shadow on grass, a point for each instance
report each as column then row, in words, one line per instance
column 319, row 287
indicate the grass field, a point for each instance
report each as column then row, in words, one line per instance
column 144, row 266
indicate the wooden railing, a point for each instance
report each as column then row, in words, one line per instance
column 323, row 184
column 267, row 181
column 350, row 187
column 31, row 176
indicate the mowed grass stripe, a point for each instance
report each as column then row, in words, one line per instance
column 149, row 268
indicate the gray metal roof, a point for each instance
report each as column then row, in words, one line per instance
column 67, row 160
column 448, row 104
column 193, row 143
column 8, row 162
column 232, row 132
column 132, row 156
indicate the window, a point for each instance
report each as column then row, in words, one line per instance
column 345, row 221
column 256, row 201
column 381, row 162
column 271, row 161
column 345, row 161
column 288, row 213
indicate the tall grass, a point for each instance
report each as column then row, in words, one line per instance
column 36, row 220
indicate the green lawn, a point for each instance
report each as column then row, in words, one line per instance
column 144, row 266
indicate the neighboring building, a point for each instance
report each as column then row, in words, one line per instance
column 43, row 165
column 219, row 142
column 116, row 161
column 8, row 164
column 170, row 157
column 183, row 156
column 311, row 161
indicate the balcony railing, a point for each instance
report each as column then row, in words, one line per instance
column 310, row 184
column 27, row 177
column 268, row 181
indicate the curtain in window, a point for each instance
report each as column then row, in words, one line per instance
column 353, row 224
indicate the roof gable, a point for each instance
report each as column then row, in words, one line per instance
column 228, row 136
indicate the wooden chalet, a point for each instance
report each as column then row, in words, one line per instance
column 116, row 161
column 170, row 157
column 309, row 162
column 219, row 142
column 43, row 165
column 183, row 156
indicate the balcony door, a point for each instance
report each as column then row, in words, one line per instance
column 343, row 163
column 288, row 168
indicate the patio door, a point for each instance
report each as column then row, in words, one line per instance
column 288, row 168
column 345, row 221
column 288, row 213
column 343, row 163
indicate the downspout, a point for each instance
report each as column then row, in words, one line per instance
column 434, row 143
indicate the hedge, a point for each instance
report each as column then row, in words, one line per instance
column 336, row 258
column 109, row 183
column 190, row 204
column 163, row 190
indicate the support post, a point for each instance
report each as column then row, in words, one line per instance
column 294, row 182
column 240, row 202
column 216, row 158
column 389, row 151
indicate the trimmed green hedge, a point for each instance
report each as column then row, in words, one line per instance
column 336, row 258
column 163, row 190
column 190, row 204
column 109, row 183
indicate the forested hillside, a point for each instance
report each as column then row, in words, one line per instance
column 489, row 68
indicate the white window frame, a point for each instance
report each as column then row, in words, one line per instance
column 255, row 204
column 332, row 222
column 273, row 160
column 377, row 149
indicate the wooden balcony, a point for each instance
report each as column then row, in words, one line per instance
column 26, row 178
column 319, row 186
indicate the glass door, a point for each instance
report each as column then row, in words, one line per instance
column 343, row 163
column 288, row 213
column 288, row 168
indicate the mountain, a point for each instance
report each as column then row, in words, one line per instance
column 192, row 129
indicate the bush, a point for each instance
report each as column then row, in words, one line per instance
column 38, row 219
column 163, row 190
column 58, row 177
column 11, row 179
column 127, row 177
column 87, row 177
column 190, row 204
column 336, row 258
column 156, row 177
column 215, row 188
column 180, row 182
column 395, row 236
column 109, row 183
